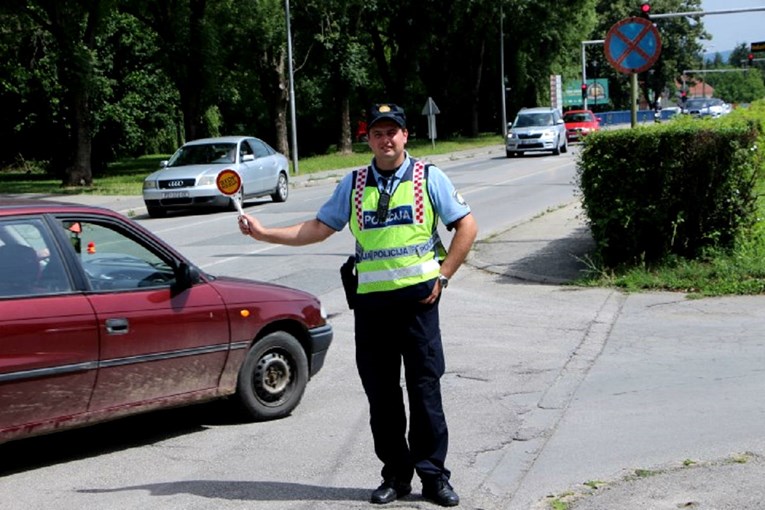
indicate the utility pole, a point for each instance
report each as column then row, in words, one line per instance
column 294, row 150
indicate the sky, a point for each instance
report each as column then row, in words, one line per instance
column 728, row 30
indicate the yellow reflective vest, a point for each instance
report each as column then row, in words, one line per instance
column 404, row 249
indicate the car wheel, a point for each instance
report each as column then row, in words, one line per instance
column 556, row 150
column 282, row 189
column 156, row 212
column 273, row 377
column 510, row 154
column 565, row 146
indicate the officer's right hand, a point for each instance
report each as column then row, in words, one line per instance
column 249, row 225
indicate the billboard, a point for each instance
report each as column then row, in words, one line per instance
column 597, row 92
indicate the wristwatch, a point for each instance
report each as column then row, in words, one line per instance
column 443, row 280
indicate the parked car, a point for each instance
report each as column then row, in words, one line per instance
column 580, row 123
column 706, row 107
column 100, row 319
column 537, row 129
column 188, row 178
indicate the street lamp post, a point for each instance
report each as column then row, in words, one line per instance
column 584, row 64
column 294, row 151
column 502, row 72
column 704, row 67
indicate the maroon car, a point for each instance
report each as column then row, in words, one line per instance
column 99, row 319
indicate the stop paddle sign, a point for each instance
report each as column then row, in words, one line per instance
column 229, row 183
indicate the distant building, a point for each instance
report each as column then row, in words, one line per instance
column 695, row 88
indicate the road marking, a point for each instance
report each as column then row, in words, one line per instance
column 253, row 252
column 481, row 187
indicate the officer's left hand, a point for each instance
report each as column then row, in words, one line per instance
column 433, row 297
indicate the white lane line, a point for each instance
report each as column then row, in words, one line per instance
column 481, row 187
column 253, row 252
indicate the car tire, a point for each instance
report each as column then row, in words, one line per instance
column 556, row 150
column 273, row 377
column 156, row 212
column 282, row 189
column 565, row 146
column 510, row 154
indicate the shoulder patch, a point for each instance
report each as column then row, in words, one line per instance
column 458, row 198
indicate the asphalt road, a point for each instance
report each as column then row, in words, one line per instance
column 553, row 393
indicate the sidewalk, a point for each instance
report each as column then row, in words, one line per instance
column 669, row 414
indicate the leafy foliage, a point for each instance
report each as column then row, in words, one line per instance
column 98, row 81
column 679, row 188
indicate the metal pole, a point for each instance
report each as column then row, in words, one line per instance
column 294, row 151
column 584, row 75
column 502, row 71
column 705, row 13
column 633, row 99
column 584, row 63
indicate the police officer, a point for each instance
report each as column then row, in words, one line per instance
column 392, row 208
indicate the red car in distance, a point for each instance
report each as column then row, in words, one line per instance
column 99, row 319
column 580, row 123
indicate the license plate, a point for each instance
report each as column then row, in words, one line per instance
column 175, row 194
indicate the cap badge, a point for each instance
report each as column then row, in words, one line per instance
column 384, row 108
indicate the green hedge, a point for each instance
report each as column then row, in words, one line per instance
column 672, row 188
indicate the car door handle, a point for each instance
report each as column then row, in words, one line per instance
column 117, row 326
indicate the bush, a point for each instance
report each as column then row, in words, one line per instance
column 676, row 188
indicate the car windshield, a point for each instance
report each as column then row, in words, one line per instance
column 534, row 119
column 203, row 154
column 696, row 103
column 578, row 117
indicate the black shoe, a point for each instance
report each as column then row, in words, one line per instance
column 440, row 493
column 390, row 490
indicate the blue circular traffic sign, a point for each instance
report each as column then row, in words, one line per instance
column 633, row 45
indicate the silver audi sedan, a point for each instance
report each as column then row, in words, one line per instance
column 188, row 179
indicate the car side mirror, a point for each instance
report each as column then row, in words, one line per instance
column 185, row 277
column 248, row 157
column 559, row 121
column 163, row 164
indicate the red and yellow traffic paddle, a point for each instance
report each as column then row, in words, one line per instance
column 230, row 183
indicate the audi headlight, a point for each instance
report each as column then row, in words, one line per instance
column 206, row 180
column 149, row 184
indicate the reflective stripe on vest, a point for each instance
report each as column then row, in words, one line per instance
column 405, row 249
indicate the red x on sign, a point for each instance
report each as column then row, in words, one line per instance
column 633, row 45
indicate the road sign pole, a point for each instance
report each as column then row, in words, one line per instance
column 633, row 99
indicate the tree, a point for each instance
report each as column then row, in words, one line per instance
column 337, row 29
column 190, row 47
column 73, row 27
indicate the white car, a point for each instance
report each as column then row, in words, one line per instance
column 188, row 179
column 706, row 107
column 537, row 129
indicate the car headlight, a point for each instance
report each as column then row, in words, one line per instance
column 511, row 136
column 149, row 184
column 548, row 134
column 206, row 180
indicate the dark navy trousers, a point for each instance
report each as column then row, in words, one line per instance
column 388, row 334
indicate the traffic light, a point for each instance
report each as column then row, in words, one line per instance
column 645, row 10
column 584, row 91
column 750, row 59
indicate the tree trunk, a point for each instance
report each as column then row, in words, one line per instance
column 278, row 98
column 345, row 145
column 475, row 93
column 80, row 173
